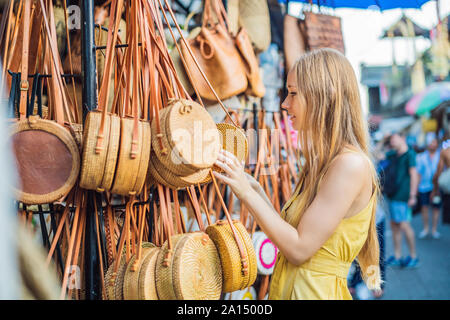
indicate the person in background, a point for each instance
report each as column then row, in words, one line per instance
column 443, row 172
column 402, row 200
column 427, row 163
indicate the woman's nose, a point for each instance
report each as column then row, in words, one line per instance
column 284, row 104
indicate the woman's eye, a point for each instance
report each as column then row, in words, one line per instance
column 292, row 93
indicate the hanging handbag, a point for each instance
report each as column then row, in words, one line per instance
column 190, row 144
column 242, row 41
column 101, row 135
column 254, row 16
column 188, row 265
column 46, row 153
column 323, row 31
column 216, row 53
column 237, row 255
column 293, row 40
column 134, row 148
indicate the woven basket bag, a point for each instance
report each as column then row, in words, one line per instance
column 183, row 122
column 102, row 130
column 169, row 179
column 192, row 271
column 48, row 160
column 132, row 165
column 99, row 163
column 147, row 276
column 234, row 278
column 47, row 155
column 234, row 140
column 132, row 273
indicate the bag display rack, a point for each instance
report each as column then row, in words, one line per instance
column 82, row 217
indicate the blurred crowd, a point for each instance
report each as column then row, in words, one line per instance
column 414, row 179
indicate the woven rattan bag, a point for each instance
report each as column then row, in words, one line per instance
column 191, row 139
column 188, row 265
column 46, row 153
column 237, row 255
column 102, row 129
column 233, row 140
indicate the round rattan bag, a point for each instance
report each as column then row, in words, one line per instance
column 233, row 140
column 234, row 276
column 161, row 174
column 132, row 165
column 131, row 283
column 99, row 162
column 189, row 138
column 192, row 271
column 47, row 159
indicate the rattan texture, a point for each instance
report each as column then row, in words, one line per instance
column 164, row 273
column 147, row 276
column 131, row 278
column 130, row 170
column 197, row 272
column 111, row 157
column 233, row 277
column 62, row 134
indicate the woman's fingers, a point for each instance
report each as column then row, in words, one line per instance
column 228, row 161
column 224, row 166
column 221, row 177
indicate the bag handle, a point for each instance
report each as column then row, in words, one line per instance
column 116, row 9
column 61, row 106
column 24, row 69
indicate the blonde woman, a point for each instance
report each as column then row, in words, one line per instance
column 330, row 219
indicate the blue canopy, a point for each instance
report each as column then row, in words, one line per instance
column 365, row 4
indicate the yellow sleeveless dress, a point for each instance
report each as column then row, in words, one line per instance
column 324, row 275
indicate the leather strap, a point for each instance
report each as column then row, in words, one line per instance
column 197, row 212
column 73, row 234
column 24, row 70
column 116, row 9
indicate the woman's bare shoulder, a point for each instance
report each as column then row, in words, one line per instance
column 351, row 162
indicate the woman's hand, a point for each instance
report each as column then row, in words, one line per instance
column 234, row 174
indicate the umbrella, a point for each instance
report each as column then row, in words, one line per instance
column 365, row 4
column 425, row 101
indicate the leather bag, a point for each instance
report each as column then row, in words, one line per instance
column 216, row 53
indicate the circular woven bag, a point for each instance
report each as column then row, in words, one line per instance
column 192, row 271
column 131, row 278
column 131, row 170
column 98, row 165
column 147, row 276
column 189, row 137
column 266, row 253
column 233, row 140
column 233, row 276
column 47, row 158
column 170, row 179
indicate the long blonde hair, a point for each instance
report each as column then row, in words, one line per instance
column 328, row 89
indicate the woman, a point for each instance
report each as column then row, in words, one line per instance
column 330, row 218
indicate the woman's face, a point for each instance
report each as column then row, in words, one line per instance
column 293, row 105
